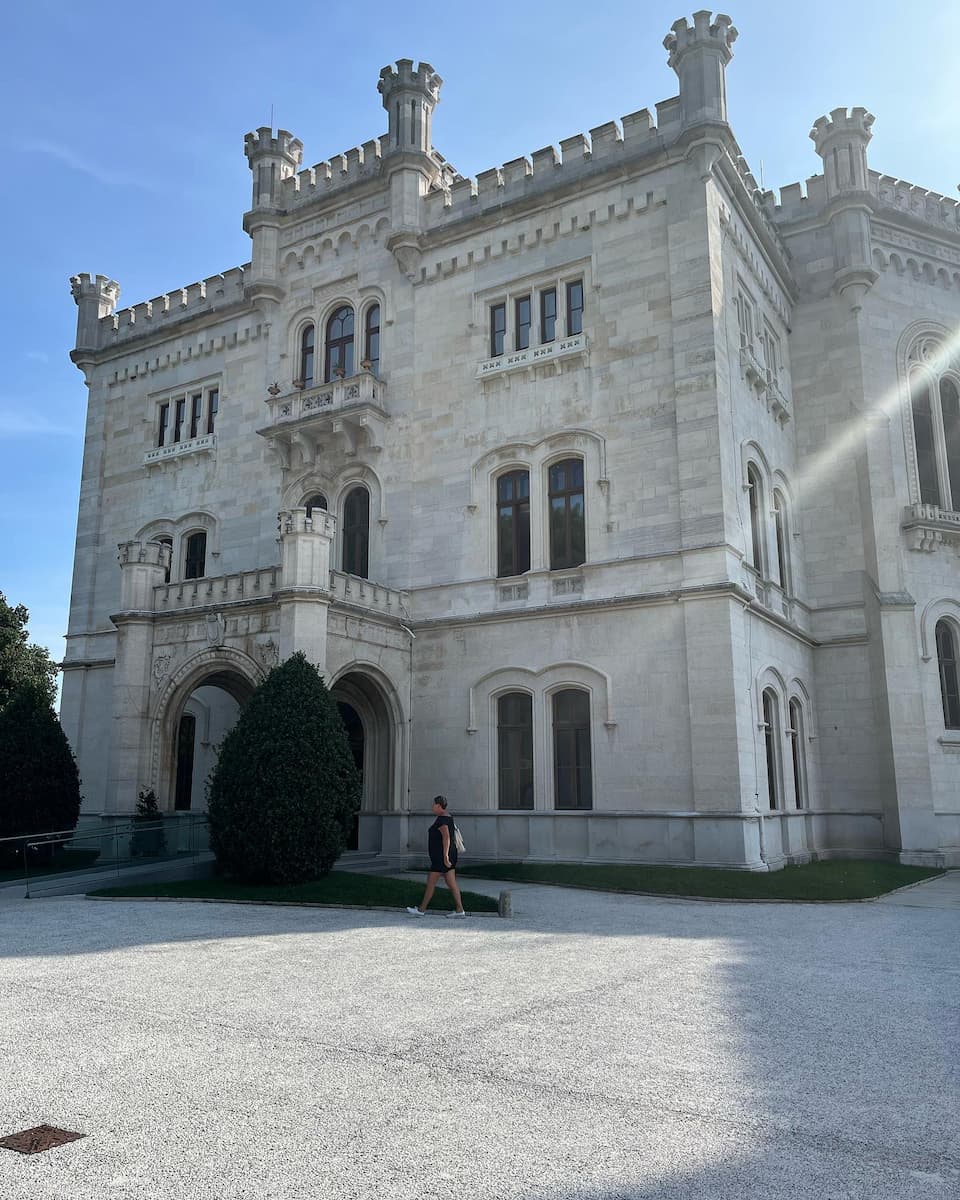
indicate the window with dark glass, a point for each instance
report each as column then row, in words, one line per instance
column 164, row 425
column 950, row 412
column 180, row 411
column 923, row 436
column 522, row 315
column 515, row 750
column 339, row 344
column 167, row 541
column 371, row 338
column 947, row 659
column 780, row 522
column 315, row 501
column 513, row 523
column 186, row 743
column 573, row 774
column 196, row 413
column 755, row 495
column 213, row 404
column 568, row 543
column 797, row 751
column 356, row 532
column 307, row 345
column 195, row 558
column 498, row 328
column 548, row 314
column 574, row 308
column 771, row 748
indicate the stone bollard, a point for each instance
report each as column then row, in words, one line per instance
column 505, row 905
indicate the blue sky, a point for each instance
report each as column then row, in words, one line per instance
column 125, row 153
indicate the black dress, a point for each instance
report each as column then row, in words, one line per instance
column 435, row 845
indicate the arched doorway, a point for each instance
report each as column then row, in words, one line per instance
column 353, row 724
column 370, row 732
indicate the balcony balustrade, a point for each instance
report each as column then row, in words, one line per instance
column 349, row 412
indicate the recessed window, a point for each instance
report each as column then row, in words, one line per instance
column 797, row 753
column 195, row 557
column 947, row 659
column 573, row 772
column 548, row 314
column 567, row 519
column 307, row 347
column 513, row 523
column 755, row 495
column 339, row 344
column 180, row 411
column 515, row 750
column 935, row 416
column 522, row 315
column 356, row 532
column 498, row 328
column 163, row 425
column 316, row 501
column 196, row 412
column 213, row 406
column 186, row 743
column 168, row 542
column 771, row 746
column 575, row 307
column 187, row 414
column 371, row 338
column 780, row 522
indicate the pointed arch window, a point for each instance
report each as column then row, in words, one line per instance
column 797, row 753
column 339, row 354
column 946, row 636
column 935, row 417
column 195, row 558
column 568, row 545
column 572, row 765
column 307, row 346
column 371, row 339
column 771, row 744
column 356, row 532
column 515, row 750
column 755, row 493
column 783, row 550
column 513, row 523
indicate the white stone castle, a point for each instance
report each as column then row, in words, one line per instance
column 614, row 497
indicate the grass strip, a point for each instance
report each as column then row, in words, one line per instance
column 837, row 879
column 339, row 887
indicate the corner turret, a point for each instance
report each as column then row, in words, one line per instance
column 841, row 141
column 699, row 54
column 409, row 96
column 96, row 297
column 272, row 160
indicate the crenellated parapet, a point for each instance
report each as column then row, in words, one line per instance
column 272, row 158
column 930, row 208
column 841, row 140
column 699, row 53
column 96, row 297
column 409, row 95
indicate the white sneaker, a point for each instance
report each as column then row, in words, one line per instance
column 416, row 912
column 456, row 915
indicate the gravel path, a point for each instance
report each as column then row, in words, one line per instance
column 594, row 1046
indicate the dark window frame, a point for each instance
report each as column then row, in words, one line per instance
column 356, row 533
column 339, row 342
column 195, row 554
column 945, row 636
column 783, row 549
column 571, row 740
column 213, row 407
column 498, row 328
column 179, row 417
column 163, row 423
column 770, row 705
column 567, row 549
column 308, row 345
column 515, row 751
column 548, row 320
column 522, row 321
column 196, row 414
column 574, row 310
column 513, row 506
column 758, row 543
column 371, row 338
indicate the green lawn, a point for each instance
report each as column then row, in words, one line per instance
column 339, row 887
column 64, row 860
column 838, row 879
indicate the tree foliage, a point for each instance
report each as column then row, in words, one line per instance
column 22, row 663
column 285, row 789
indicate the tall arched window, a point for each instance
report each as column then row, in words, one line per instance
column 356, row 532
column 339, row 354
column 316, row 501
column 515, row 750
column 935, row 415
column 771, row 742
column 195, row 557
column 371, row 338
column 572, row 766
column 568, row 543
column 307, row 340
column 783, row 553
column 513, row 523
column 797, row 753
column 947, row 660
column 755, row 492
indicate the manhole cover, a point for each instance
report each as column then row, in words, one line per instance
column 41, row 1137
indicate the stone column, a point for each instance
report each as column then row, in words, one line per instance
column 304, row 591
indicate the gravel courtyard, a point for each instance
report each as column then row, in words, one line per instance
column 593, row 1046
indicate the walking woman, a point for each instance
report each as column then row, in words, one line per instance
column 443, row 859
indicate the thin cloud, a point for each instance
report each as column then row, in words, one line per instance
column 102, row 175
column 27, row 424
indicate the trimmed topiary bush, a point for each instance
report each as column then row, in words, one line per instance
column 285, row 789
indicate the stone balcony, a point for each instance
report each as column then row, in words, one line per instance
column 205, row 444
column 349, row 414
column 550, row 353
column 928, row 526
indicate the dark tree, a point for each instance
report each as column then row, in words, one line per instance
column 285, row 789
column 20, row 662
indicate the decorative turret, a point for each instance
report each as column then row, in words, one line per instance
column 96, row 297
column 143, row 566
column 699, row 54
column 841, row 141
column 409, row 96
column 271, row 159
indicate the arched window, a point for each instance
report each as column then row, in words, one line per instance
column 947, row 659
column 513, row 523
column 318, row 500
column 950, row 412
column 371, row 339
column 339, row 359
column 797, row 753
column 307, row 340
column 771, row 742
column 568, row 546
column 186, row 743
column 935, row 415
column 356, row 532
column 783, row 554
column 755, row 492
column 572, row 767
column 195, row 559
column 168, row 542
column 515, row 750
column 920, row 399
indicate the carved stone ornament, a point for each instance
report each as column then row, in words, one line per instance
column 268, row 653
column 161, row 667
column 216, row 629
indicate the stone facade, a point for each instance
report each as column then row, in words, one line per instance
column 720, row 634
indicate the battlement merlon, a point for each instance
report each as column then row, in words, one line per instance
column 841, row 140
column 96, row 297
column 272, row 159
column 409, row 96
column 699, row 54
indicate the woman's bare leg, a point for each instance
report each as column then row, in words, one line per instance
column 450, row 879
column 431, row 886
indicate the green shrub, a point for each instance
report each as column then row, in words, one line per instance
column 285, row 789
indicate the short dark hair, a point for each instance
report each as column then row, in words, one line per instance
column 441, row 800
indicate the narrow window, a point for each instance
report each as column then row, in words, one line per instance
column 195, row 560
column 498, row 328
column 513, row 523
column 755, row 492
column 515, row 750
column 573, row 774
column 213, row 404
column 771, row 747
column 371, row 339
column 307, row 343
column 780, row 522
column 196, row 412
column 567, row 524
column 356, row 532
column 317, row 501
column 168, row 542
column 522, row 314
column 950, row 409
column 548, row 314
column 923, row 435
column 339, row 344
column 186, row 742
column 164, row 424
column 179, row 416
column 797, row 753
column 947, row 658
column 574, row 308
